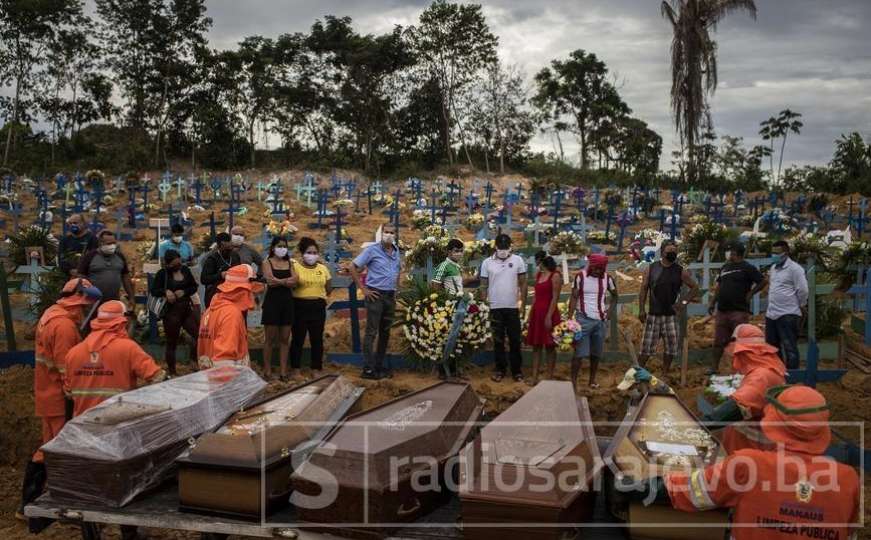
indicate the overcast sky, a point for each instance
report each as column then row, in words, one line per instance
column 813, row 56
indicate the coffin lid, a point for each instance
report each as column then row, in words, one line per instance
column 292, row 417
column 433, row 422
column 643, row 425
column 548, row 429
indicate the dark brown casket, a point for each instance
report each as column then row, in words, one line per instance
column 221, row 474
column 387, row 465
column 657, row 436
column 534, row 464
column 129, row 443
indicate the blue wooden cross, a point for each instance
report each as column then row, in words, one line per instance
column 623, row 221
column 321, row 211
column 165, row 185
column 97, row 197
column 596, row 199
column 377, row 187
column 215, row 184
column 453, row 192
column 198, row 191
column 862, row 219
column 519, row 189
column 336, row 188
column 471, row 202
column 81, row 196
column 556, row 202
column 488, row 192
column 309, row 188
column 579, row 199
column 349, row 186
column 145, row 189
column 416, row 186
column 120, row 212
column 96, row 226
column 510, row 200
column 395, row 213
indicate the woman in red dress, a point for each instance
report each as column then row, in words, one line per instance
column 544, row 315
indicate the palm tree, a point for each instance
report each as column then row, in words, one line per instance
column 768, row 128
column 787, row 122
column 694, row 62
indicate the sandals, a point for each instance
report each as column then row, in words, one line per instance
column 497, row 377
column 518, row 378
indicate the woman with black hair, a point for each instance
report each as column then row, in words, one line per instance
column 277, row 306
column 544, row 315
column 177, row 284
column 310, row 294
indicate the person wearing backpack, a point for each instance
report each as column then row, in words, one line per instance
column 662, row 283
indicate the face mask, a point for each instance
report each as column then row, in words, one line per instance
column 387, row 238
column 780, row 257
column 503, row 253
column 281, row 252
column 237, row 239
column 176, row 239
column 75, row 229
column 728, row 255
column 109, row 249
column 671, row 256
column 310, row 258
column 583, row 263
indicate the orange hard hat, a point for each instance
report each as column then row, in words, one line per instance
column 797, row 417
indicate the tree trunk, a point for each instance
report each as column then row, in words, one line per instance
column 251, row 141
column 583, row 133
column 562, row 153
column 462, row 135
column 782, row 150
column 14, row 124
column 486, row 159
column 446, row 116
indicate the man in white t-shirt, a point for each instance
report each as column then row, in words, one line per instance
column 502, row 276
column 591, row 297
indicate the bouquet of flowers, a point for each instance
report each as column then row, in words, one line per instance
column 433, row 243
column 648, row 236
column 478, row 249
column 566, row 333
column 421, row 220
column 599, row 237
column 281, row 228
column 567, row 243
column 343, row 203
column 722, row 386
column 705, row 229
column 474, row 221
column 428, row 322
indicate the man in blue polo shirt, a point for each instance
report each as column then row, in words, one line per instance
column 177, row 243
column 382, row 263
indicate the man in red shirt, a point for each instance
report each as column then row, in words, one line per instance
column 56, row 333
column 791, row 492
column 107, row 362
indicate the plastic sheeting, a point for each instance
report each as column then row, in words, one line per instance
column 128, row 444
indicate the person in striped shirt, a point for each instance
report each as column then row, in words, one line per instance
column 591, row 296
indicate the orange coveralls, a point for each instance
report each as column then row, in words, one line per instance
column 56, row 333
column 223, row 333
column 817, row 498
column 92, row 378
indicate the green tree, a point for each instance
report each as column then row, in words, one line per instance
column 576, row 93
column 852, row 163
column 453, row 43
column 694, row 64
column 27, row 27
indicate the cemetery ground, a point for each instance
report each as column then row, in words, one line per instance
column 19, row 430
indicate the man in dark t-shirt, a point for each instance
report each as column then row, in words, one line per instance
column 730, row 297
column 78, row 241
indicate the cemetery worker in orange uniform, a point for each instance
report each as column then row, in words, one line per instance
column 216, row 264
column 107, row 362
column 56, row 333
column 762, row 370
column 663, row 281
column 730, row 298
column 106, row 267
column 792, row 492
column 223, row 332
column 78, row 241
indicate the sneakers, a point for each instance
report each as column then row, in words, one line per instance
column 375, row 374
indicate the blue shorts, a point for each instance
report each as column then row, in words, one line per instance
column 593, row 341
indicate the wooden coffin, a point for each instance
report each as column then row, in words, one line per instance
column 641, row 449
column 243, row 468
column 387, row 465
column 530, row 472
column 129, row 443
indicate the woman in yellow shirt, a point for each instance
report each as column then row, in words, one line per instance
column 310, row 304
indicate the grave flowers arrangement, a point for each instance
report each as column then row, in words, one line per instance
column 474, row 221
column 567, row 243
column 281, row 228
column 478, row 249
column 694, row 237
column 432, row 243
column 721, row 387
column 804, row 246
column 32, row 236
column 427, row 317
column 343, row 203
column 566, row 333
column 421, row 219
column 599, row 237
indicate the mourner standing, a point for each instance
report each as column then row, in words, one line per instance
column 176, row 242
column 592, row 292
column 382, row 262
column 108, row 361
column 544, row 315
column 787, row 302
column 310, row 294
column 73, row 246
column 662, row 282
column 247, row 254
column 223, row 333
column 216, row 264
column 177, row 284
column 730, row 298
column 106, row 267
column 278, row 306
column 503, row 277
column 56, row 333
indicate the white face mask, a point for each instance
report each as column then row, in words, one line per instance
column 281, row 252
column 503, row 253
column 176, row 239
column 237, row 239
column 310, row 258
column 109, row 249
column 728, row 255
column 387, row 238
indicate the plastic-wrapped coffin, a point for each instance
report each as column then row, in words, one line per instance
column 388, row 465
column 221, row 474
column 128, row 444
column 658, row 435
column 533, row 466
